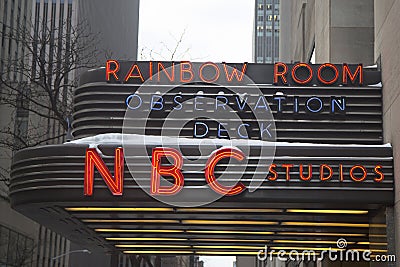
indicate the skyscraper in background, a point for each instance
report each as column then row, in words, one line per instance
column 266, row 31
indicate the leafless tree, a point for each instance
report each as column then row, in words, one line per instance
column 140, row 260
column 24, row 255
column 37, row 82
column 175, row 52
column 15, row 249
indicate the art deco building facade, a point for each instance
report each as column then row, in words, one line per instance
column 355, row 31
column 56, row 19
column 351, row 31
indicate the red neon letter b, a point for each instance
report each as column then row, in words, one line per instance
column 173, row 171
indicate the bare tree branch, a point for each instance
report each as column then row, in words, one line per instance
column 37, row 82
column 172, row 53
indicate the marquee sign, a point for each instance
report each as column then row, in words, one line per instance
column 201, row 154
column 300, row 173
column 323, row 173
column 303, row 95
column 224, row 73
column 338, row 104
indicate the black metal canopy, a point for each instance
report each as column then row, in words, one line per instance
column 47, row 181
column 47, row 186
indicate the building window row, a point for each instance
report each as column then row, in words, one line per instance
column 16, row 249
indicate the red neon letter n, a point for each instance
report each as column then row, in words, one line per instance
column 114, row 184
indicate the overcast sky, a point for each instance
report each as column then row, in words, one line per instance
column 218, row 31
column 213, row 30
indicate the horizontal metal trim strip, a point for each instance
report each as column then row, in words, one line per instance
column 313, row 130
column 204, row 158
column 364, row 141
column 71, row 166
column 96, row 118
column 55, row 187
column 110, row 110
column 107, row 84
column 210, row 102
column 310, row 160
column 294, row 184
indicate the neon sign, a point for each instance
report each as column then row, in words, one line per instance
column 327, row 74
column 281, row 105
column 312, row 104
column 303, row 172
column 208, row 72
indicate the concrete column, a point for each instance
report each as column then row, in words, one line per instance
column 387, row 47
column 352, row 31
column 285, row 34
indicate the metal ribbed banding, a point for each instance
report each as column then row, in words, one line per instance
column 61, row 167
column 47, row 180
column 100, row 108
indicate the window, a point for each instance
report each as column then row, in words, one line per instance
column 15, row 248
column 4, row 22
column 1, row 67
column 15, row 65
column 3, row 34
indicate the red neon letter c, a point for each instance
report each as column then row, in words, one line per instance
column 215, row 157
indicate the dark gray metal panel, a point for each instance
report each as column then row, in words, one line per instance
column 100, row 108
column 61, row 167
column 48, row 179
